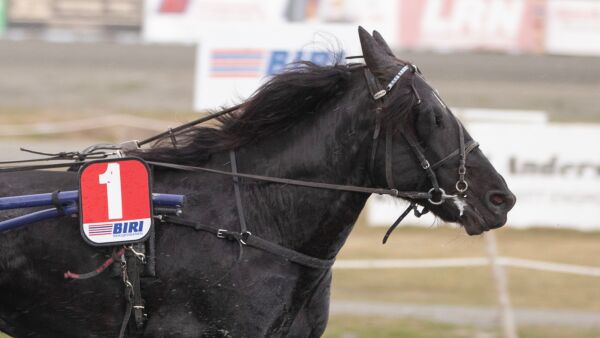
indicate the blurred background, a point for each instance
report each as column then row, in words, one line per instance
column 523, row 75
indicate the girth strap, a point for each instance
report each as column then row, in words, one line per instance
column 257, row 242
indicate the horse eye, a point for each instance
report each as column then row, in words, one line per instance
column 438, row 120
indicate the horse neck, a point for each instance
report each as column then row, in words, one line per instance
column 330, row 147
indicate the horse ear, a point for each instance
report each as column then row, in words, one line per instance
column 376, row 56
column 381, row 41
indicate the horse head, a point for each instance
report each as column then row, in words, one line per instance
column 442, row 157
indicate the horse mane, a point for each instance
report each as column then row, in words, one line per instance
column 280, row 103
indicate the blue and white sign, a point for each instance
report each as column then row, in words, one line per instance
column 229, row 69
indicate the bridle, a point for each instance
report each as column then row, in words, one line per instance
column 437, row 194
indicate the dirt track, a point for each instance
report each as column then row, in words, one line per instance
column 92, row 78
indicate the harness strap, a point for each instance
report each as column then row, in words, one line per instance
column 373, row 87
column 470, row 146
column 397, row 222
column 174, row 131
column 61, row 156
column 376, row 133
column 131, row 270
column 238, row 196
column 318, row 185
column 127, row 315
column 135, row 268
column 425, row 165
column 376, row 92
column 40, row 166
column 247, row 239
column 389, row 177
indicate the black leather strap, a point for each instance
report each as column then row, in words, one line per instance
column 135, row 267
column 469, row 146
column 238, row 196
column 373, row 87
column 257, row 242
column 425, row 165
column 389, row 174
column 309, row 184
column 174, row 131
column 40, row 166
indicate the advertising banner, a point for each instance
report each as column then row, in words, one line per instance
column 573, row 27
column 74, row 16
column 551, row 168
column 192, row 21
column 229, row 69
column 503, row 25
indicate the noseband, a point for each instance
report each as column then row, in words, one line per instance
column 437, row 194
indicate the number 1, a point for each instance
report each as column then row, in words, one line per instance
column 112, row 178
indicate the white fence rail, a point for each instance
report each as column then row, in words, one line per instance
column 356, row 264
column 72, row 126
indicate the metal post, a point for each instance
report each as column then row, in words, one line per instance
column 500, row 281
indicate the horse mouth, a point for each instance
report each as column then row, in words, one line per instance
column 473, row 222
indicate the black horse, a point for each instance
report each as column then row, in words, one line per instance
column 309, row 123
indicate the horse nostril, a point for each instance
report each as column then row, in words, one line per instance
column 497, row 199
column 501, row 200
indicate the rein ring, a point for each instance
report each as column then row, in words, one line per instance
column 442, row 196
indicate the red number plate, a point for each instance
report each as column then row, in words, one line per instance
column 115, row 203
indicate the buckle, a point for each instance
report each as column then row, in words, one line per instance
column 221, row 233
